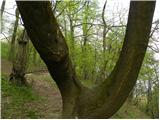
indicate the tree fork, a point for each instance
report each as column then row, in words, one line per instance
column 105, row 99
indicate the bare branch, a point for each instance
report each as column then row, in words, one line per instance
column 155, row 28
column 9, row 13
column 103, row 12
column 5, row 36
column 154, row 49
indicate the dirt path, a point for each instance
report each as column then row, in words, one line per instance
column 6, row 67
column 51, row 104
column 44, row 86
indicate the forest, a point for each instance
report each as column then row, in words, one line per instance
column 79, row 59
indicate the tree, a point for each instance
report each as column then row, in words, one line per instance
column 149, row 75
column 2, row 10
column 12, row 48
column 105, row 99
column 19, row 64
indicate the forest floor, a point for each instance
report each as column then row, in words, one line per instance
column 42, row 98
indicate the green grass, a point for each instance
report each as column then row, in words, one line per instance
column 45, row 78
column 130, row 111
column 4, row 50
column 14, row 100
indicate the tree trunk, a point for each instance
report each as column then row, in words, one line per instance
column 105, row 99
column 3, row 7
column 85, row 29
column 12, row 48
column 71, row 37
column 102, row 73
column 19, row 66
column 34, row 56
column 149, row 94
column 2, row 10
column 65, row 24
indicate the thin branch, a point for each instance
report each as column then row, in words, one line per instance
column 5, row 36
column 155, row 28
column 79, row 9
column 9, row 13
column 87, row 23
column 94, row 24
column 62, row 10
column 103, row 12
column 154, row 49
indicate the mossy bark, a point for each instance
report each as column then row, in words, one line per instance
column 105, row 99
column 19, row 64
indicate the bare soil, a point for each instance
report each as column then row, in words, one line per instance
column 51, row 104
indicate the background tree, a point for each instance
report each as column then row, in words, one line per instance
column 12, row 48
column 19, row 65
column 2, row 10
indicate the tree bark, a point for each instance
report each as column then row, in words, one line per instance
column 71, row 37
column 149, row 94
column 102, row 73
column 12, row 48
column 19, row 65
column 2, row 10
column 105, row 99
column 34, row 57
column 85, row 30
column 3, row 7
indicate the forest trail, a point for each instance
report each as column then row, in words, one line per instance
column 43, row 85
column 46, row 88
column 6, row 67
column 50, row 105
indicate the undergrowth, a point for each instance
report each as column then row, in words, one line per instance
column 16, row 99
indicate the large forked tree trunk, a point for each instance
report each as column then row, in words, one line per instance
column 105, row 99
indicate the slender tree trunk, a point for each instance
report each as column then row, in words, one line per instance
column 19, row 66
column 104, row 28
column 12, row 48
column 2, row 7
column 2, row 10
column 149, row 94
column 94, row 70
column 65, row 25
column 102, row 73
column 71, row 37
column 85, row 42
column 105, row 99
